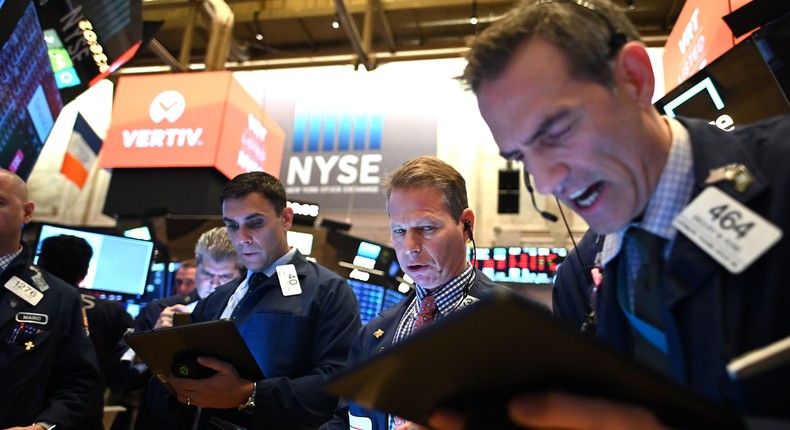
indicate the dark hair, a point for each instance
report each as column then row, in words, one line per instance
column 430, row 172
column 256, row 182
column 583, row 30
column 66, row 257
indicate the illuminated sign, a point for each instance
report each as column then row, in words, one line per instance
column 737, row 88
column 333, row 153
column 699, row 36
column 191, row 120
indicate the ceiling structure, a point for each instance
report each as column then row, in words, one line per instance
column 261, row 34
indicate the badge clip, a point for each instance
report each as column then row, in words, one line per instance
column 738, row 174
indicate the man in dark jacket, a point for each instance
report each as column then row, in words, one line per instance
column 47, row 366
column 430, row 222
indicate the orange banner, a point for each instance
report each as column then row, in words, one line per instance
column 191, row 120
column 699, row 36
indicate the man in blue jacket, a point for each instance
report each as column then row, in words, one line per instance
column 298, row 318
column 565, row 87
column 47, row 363
column 430, row 222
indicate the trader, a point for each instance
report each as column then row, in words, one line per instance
column 47, row 363
column 298, row 318
column 566, row 88
column 430, row 222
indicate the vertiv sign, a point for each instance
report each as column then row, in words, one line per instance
column 191, row 120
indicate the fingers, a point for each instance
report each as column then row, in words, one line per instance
column 559, row 410
column 446, row 420
column 166, row 316
column 218, row 365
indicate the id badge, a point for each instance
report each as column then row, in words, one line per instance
column 725, row 229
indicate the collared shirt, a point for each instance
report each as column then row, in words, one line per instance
column 7, row 259
column 447, row 296
column 671, row 196
column 241, row 290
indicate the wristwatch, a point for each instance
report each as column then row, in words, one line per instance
column 47, row 426
column 248, row 407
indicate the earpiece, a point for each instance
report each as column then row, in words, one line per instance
column 468, row 226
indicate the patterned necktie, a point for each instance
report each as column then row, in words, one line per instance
column 426, row 313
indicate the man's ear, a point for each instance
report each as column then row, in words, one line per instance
column 288, row 217
column 28, row 208
column 633, row 73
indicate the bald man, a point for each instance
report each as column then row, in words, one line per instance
column 47, row 363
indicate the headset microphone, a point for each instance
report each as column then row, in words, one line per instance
column 546, row 215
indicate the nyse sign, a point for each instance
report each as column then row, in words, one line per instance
column 351, row 173
column 339, row 159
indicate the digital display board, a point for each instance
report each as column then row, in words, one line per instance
column 520, row 265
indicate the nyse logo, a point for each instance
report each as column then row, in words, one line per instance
column 168, row 105
column 349, row 160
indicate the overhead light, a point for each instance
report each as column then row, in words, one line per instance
column 257, row 23
column 336, row 22
column 630, row 4
column 473, row 20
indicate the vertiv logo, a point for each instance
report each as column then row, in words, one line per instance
column 169, row 105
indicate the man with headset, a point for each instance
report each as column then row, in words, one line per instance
column 430, row 222
column 565, row 87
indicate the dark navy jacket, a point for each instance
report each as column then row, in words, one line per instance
column 711, row 315
column 48, row 370
column 298, row 341
column 368, row 345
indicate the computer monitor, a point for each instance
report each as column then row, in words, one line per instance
column 119, row 264
column 373, row 298
column 28, row 93
column 301, row 241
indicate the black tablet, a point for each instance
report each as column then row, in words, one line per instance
column 476, row 359
column 174, row 350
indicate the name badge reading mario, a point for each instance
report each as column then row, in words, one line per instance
column 24, row 290
column 725, row 229
column 289, row 282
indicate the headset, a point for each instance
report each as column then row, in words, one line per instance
column 590, row 324
column 616, row 37
column 468, row 227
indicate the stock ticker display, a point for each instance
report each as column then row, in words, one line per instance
column 520, row 265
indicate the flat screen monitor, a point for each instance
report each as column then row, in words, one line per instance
column 301, row 241
column 373, row 298
column 520, row 265
column 29, row 95
column 119, row 264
